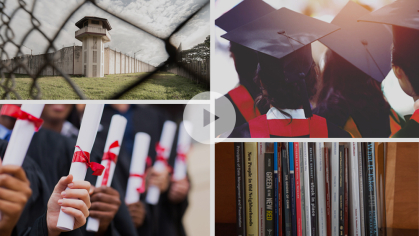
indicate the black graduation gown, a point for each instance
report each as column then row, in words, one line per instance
column 368, row 126
column 333, row 131
column 411, row 127
column 159, row 219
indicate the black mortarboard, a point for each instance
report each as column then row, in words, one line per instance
column 404, row 13
column 245, row 12
column 365, row 45
column 278, row 35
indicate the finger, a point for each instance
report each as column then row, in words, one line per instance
column 92, row 189
column 77, row 214
column 101, row 214
column 108, row 190
column 63, row 183
column 101, row 206
column 16, row 171
column 9, row 208
column 76, row 204
column 14, row 196
column 80, row 184
column 103, row 197
column 81, row 194
column 12, row 183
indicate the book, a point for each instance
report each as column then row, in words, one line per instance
column 321, row 190
column 355, row 219
column 297, row 188
column 269, row 194
column 346, row 193
column 341, row 189
column 292, row 190
column 302, row 191
column 370, row 191
column 240, row 192
column 313, row 189
column 334, row 181
column 275, row 163
column 261, row 184
column 279, row 228
column 286, row 189
column 252, row 216
column 361, row 187
column 380, row 183
column 307, row 189
column 327, row 186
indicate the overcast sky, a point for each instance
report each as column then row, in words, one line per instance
column 159, row 16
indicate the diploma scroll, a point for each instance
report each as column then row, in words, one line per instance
column 184, row 144
column 88, row 130
column 163, row 149
column 111, row 152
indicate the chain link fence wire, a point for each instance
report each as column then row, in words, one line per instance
column 7, row 72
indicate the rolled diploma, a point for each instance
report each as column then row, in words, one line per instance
column 138, row 163
column 166, row 141
column 184, row 144
column 21, row 137
column 116, row 133
column 85, row 140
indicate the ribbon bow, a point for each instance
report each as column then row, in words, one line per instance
column 141, row 189
column 160, row 151
column 82, row 156
column 111, row 157
column 15, row 112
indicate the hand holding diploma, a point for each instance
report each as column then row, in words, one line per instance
column 75, row 204
column 105, row 204
column 14, row 193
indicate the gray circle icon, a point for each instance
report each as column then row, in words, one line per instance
column 223, row 118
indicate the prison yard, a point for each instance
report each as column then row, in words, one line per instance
column 162, row 86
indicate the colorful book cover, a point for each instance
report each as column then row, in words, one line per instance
column 261, row 184
column 276, row 186
column 370, row 203
column 302, row 190
column 297, row 187
column 307, row 189
column 292, row 189
column 269, row 194
column 279, row 207
column 313, row 189
column 286, row 189
column 252, row 203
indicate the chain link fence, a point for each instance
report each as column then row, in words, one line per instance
column 8, row 71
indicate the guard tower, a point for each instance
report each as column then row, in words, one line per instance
column 93, row 33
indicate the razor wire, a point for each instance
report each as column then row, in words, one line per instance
column 8, row 83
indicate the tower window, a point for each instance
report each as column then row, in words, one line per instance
column 94, row 56
column 85, row 24
column 95, row 22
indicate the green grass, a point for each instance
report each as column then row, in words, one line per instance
column 162, row 86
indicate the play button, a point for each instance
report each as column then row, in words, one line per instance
column 203, row 119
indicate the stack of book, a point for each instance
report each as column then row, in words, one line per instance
column 309, row 189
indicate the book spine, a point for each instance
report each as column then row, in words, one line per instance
column 292, row 190
column 286, row 190
column 341, row 189
column 346, row 195
column 361, row 189
column 240, row 193
column 313, row 191
column 269, row 194
column 334, row 181
column 297, row 188
column 307, row 189
column 279, row 190
column 327, row 181
column 261, row 189
column 252, row 216
column 321, row 190
column 371, row 191
column 275, row 189
column 354, row 190
column 302, row 198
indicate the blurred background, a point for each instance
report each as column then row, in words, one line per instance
column 224, row 77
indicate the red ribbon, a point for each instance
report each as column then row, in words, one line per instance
column 141, row 189
column 111, row 157
column 15, row 112
column 82, row 156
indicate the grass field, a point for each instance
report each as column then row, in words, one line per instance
column 162, row 86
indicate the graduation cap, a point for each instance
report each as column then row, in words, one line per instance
column 279, row 36
column 367, row 46
column 243, row 13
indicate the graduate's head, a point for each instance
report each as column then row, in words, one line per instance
column 280, row 79
column 245, row 62
column 56, row 112
column 8, row 121
column 405, row 59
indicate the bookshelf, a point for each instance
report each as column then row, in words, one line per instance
column 401, row 186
